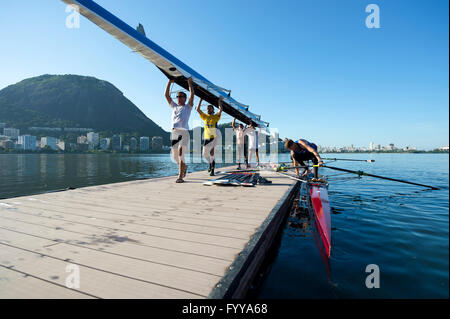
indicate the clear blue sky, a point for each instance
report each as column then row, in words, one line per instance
column 311, row 68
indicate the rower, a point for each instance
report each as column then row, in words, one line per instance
column 301, row 151
column 180, row 126
column 210, row 135
column 240, row 143
column 252, row 143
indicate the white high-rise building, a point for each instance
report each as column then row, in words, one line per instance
column 157, row 143
column 371, row 146
column 105, row 143
column 93, row 139
column 116, row 142
column 133, row 144
column 81, row 139
column 11, row 132
column 48, row 141
column 27, row 142
column 61, row 145
column 144, row 143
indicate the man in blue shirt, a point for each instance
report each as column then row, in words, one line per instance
column 302, row 151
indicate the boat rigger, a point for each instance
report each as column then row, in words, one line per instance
column 172, row 67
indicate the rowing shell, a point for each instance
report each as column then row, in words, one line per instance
column 168, row 64
column 322, row 213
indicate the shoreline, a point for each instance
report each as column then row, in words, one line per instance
column 168, row 152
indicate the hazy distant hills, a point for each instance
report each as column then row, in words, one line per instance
column 73, row 101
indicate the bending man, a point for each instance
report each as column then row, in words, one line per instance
column 180, row 127
column 301, row 151
column 210, row 134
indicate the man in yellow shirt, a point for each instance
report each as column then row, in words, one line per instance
column 209, row 135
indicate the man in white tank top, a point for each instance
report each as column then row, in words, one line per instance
column 180, row 126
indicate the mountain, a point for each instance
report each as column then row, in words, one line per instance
column 73, row 101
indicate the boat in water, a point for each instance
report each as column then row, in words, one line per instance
column 320, row 206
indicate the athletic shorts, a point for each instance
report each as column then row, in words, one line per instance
column 301, row 157
column 180, row 137
column 206, row 142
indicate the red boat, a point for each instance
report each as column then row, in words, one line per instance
column 321, row 211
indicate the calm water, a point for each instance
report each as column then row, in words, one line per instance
column 402, row 229
column 25, row 174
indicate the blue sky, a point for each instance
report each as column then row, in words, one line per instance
column 311, row 68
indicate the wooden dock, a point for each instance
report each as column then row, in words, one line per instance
column 141, row 239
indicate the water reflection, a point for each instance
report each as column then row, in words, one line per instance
column 25, row 174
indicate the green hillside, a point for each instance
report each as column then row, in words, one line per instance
column 73, row 101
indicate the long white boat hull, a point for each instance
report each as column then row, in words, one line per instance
column 167, row 63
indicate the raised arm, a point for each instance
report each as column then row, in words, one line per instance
column 167, row 93
column 234, row 124
column 191, row 92
column 310, row 149
column 220, row 106
column 198, row 107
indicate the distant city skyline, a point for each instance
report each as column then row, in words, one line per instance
column 13, row 140
column 315, row 71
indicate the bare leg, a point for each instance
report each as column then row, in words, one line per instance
column 239, row 154
column 206, row 155
column 257, row 157
column 213, row 162
column 295, row 163
column 182, row 166
column 249, row 158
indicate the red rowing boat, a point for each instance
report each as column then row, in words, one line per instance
column 322, row 213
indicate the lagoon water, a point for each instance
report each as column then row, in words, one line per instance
column 402, row 229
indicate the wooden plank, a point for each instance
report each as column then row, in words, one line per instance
column 93, row 283
column 134, row 228
column 178, row 223
column 209, row 250
column 120, row 246
column 190, row 281
column 196, row 232
column 117, row 209
column 140, row 239
column 15, row 284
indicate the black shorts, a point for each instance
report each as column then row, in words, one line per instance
column 302, row 157
column 173, row 142
column 207, row 141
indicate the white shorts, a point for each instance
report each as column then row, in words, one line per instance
column 179, row 138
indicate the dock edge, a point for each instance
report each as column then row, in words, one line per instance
column 236, row 281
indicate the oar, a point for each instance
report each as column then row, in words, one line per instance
column 285, row 168
column 292, row 177
column 348, row 159
column 361, row 173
